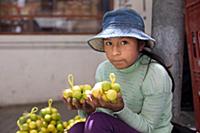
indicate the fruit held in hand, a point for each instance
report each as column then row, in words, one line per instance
column 111, row 95
column 76, row 88
column 97, row 90
column 104, row 97
column 116, row 86
column 77, row 94
column 107, row 90
column 106, row 85
column 87, row 87
column 67, row 93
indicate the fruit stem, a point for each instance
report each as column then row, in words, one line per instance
column 71, row 80
column 112, row 78
column 20, row 127
column 50, row 102
column 34, row 110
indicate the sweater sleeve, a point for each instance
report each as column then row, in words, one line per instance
column 157, row 95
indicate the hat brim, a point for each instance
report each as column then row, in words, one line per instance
column 96, row 42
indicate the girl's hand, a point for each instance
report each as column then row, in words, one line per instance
column 73, row 104
column 92, row 101
column 116, row 106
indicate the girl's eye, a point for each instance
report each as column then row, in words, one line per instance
column 124, row 43
column 108, row 43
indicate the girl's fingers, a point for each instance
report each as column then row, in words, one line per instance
column 95, row 101
column 86, row 105
column 68, row 100
column 90, row 102
column 103, row 103
column 69, row 104
column 119, row 98
column 76, row 103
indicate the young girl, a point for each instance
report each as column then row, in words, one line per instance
column 145, row 102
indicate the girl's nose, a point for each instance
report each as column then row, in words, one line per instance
column 115, row 50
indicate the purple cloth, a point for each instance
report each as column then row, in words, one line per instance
column 99, row 122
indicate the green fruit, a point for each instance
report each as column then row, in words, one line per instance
column 22, row 120
column 104, row 97
column 44, row 124
column 77, row 117
column 33, row 131
column 33, row 117
column 116, row 87
column 43, row 130
column 71, row 121
column 25, row 127
column 106, row 85
column 48, row 110
column 65, row 124
column 43, row 112
column 97, row 90
column 47, row 117
column 54, row 110
column 87, row 87
column 32, row 125
column 51, row 128
column 24, row 132
column 86, row 93
column 53, row 122
column 28, row 120
column 77, row 94
column 67, row 93
column 111, row 95
column 58, row 116
column 38, row 123
column 60, row 127
column 54, row 116
column 76, row 88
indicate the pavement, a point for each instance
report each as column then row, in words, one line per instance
column 10, row 114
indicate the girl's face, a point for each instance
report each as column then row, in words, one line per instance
column 122, row 52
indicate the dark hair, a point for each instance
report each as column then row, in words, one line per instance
column 159, row 60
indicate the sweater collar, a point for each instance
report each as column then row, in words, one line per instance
column 133, row 66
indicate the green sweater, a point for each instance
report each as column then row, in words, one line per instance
column 148, row 100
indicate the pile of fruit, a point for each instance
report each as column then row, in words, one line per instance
column 30, row 122
column 68, row 124
column 107, row 90
column 47, row 120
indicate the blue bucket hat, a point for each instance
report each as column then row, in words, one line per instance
column 121, row 22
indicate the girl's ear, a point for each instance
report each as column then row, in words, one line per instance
column 141, row 45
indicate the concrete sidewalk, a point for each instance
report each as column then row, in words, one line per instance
column 10, row 114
